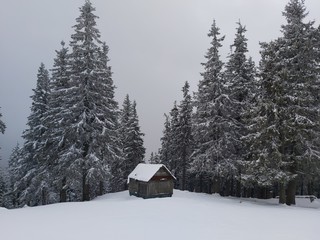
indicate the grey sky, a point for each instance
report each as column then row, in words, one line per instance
column 155, row 46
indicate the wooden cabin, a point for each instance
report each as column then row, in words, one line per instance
column 150, row 181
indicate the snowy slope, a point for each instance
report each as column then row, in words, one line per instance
column 184, row 216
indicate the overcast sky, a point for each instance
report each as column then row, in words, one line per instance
column 155, row 46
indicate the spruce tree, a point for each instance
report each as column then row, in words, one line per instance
column 14, row 174
column 131, row 138
column 285, row 145
column 2, row 126
column 54, row 137
column 136, row 138
column 3, row 187
column 110, row 114
column 298, row 72
column 177, row 141
column 185, row 139
column 127, row 164
column 211, row 123
column 32, row 184
column 90, row 144
column 241, row 86
column 169, row 151
column 165, row 150
column 264, row 165
column 173, row 161
column 155, row 158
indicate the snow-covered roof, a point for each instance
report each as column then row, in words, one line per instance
column 144, row 172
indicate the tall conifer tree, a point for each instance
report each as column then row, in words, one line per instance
column 2, row 126
column 90, row 144
column 32, row 185
column 211, row 156
column 298, row 73
column 14, row 174
column 136, row 137
column 241, row 87
column 286, row 142
column 131, row 138
column 54, row 119
column 165, row 150
column 174, row 140
column 3, row 187
column 185, row 139
column 301, row 93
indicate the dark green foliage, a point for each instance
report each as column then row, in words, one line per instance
column 212, row 103
column 72, row 144
column 177, row 142
column 131, row 139
column 185, row 138
column 169, row 151
column 31, row 175
column 285, row 144
column 3, row 188
column 154, row 158
column 2, row 125
column 90, row 144
column 165, row 150
column 222, row 104
column 253, row 135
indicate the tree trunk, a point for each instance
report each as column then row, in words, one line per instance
column 301, row 186
column 310, row 187
column 282, row 193
column 85, row 188
column 63, row 191
column 227, row 189
column 200, row 183
column 216, row 185
column 232, row 186
column 184, row 173
column 44, row 196
column 291, row 192
column 238, row 188
column 101, row 188
column 184, row 170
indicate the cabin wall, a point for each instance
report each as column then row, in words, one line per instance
column 160, row 188
column 138, row 188
column 133, row 187
column 151, row 189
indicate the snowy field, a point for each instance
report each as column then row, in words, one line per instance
column 184, row 216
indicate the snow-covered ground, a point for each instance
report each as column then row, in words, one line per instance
column 184, row 216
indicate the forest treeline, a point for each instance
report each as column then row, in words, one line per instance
column 251, row 131
column 248, row 131
column 78, row 143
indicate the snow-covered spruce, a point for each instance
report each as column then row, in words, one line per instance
column 131, row 140
column 285, row 130
column 90, row 141
column 177, row 142
column 210, row 119
column 31, row 171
